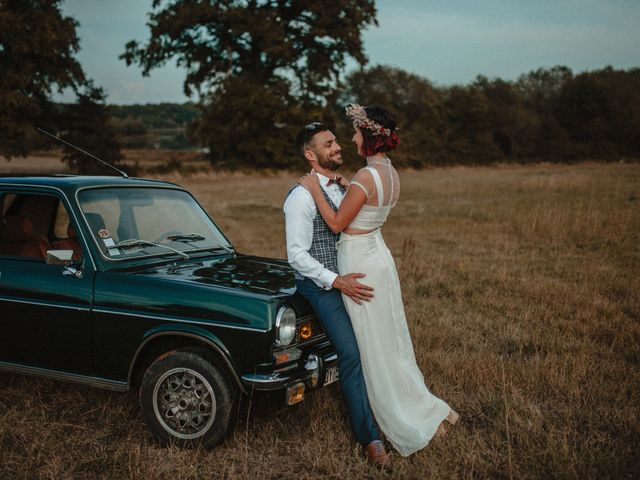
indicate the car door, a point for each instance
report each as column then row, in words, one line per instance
column 45, row 319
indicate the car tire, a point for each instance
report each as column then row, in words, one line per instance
column 187, row 400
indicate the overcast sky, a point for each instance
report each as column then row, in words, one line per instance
column 445, row 41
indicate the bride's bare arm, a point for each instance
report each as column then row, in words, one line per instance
column 349, row 208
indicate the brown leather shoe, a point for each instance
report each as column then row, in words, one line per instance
column 378, row 456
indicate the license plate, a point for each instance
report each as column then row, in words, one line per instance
column 331, row 375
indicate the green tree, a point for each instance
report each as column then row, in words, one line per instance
column 37, row 47
column 540, row 90
column 468, row 126
column 600, row 111
column 259, row 66
column 249, row 124
column 85, row 124
column 513, row 125
column 543, row 85
column 413, row 101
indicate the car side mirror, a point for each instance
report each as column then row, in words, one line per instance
column 59, row 257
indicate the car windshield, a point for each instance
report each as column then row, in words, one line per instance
column 140, row 221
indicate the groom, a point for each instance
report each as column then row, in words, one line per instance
column 311, row 251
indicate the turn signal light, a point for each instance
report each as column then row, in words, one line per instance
column 286, row 356
column 306, row 331
column 282, row 358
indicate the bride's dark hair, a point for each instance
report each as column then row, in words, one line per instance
column 373, row 144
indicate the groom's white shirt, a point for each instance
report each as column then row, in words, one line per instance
column 299, row 213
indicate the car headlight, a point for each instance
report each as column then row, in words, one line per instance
column 285, row 326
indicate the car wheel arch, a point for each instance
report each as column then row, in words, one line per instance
column 161, row 341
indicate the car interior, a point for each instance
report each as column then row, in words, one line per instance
column 32, row 224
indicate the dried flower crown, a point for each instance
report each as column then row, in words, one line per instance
column 358, row 114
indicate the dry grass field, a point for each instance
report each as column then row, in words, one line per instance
column 522, row 292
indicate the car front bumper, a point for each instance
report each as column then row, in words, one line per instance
column 318, row 370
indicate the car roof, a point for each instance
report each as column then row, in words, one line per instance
column 72, row 183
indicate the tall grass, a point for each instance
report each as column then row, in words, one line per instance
column 521, row 286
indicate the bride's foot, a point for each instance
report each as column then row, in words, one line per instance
column 453, row 417
column 441, row 431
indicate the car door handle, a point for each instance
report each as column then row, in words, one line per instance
column 72, row 271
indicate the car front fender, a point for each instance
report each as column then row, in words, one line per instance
column 191, row 332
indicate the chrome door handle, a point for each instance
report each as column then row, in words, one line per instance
column 75, row 272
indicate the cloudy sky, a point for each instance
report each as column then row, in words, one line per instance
column 446, row 41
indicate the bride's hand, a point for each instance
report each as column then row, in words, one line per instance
column 309, row 181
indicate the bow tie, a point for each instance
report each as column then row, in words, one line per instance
column 334, row 180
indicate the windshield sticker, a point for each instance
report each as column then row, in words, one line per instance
column 103, row 233
column 108, row 242
column 114, row 252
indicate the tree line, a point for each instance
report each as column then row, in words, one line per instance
column 263, row 68
column 546, row 115
column 159, row 125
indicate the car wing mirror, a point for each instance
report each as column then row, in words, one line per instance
column 59, row 257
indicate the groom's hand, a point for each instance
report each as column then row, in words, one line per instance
column 357, row 291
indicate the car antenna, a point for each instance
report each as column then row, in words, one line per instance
column 124, row 175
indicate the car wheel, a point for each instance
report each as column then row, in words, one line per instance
column 186, row 400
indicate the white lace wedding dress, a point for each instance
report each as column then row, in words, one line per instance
column 406, row 411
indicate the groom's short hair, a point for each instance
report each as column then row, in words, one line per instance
column 306, row 134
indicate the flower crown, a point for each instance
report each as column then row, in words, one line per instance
column 358, row 114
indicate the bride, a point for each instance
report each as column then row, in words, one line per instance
column 406, row 411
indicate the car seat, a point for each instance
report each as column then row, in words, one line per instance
column 71, row 243
column 18, row 239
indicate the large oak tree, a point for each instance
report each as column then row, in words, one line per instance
column 37, row 48
column 86, row 124
column 260, row 67
column 37, row 57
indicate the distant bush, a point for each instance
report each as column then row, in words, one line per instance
column 128, row 126
column 177, row 142
column 158, row 115
column 175, row 164
column 161, row 125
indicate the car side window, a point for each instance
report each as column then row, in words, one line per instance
column 32, row 224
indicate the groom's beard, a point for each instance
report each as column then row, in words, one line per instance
column 329, row 163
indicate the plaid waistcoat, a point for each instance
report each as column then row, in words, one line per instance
column 323, row 243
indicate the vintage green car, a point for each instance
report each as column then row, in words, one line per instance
column 128, row 284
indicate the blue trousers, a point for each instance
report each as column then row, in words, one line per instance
column 329, row 307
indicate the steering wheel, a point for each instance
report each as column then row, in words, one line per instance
column 167, row 234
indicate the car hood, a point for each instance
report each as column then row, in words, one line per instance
column 245, row 273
